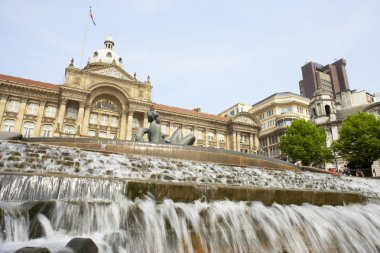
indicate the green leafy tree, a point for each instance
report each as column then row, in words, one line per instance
column 359, row 139
column 306, row 142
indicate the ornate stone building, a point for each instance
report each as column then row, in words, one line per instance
column 275, row 113
column 102, row 100
column 329, row 113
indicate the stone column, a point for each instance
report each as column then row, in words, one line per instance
column 129, row 124
column 80, row 116
column 40, row 115
column 61, row 113
column 234, row 147
column 3, row 103
column 238, row 141
column 256, row 141
column 206, row 136
column 20, row 116
column 171, row 128
column 85, row 120
column 145, row 121
column 217, row 138
column 123, row 125
column 145, row 125
column 251, row 143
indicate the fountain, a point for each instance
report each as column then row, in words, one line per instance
column 148, row 197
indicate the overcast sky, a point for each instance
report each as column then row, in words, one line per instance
column 209, row 54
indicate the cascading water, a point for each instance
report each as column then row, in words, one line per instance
column 47, row 211
column 222, row 226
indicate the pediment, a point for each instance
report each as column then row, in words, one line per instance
column 245, row 118
column 112, row 71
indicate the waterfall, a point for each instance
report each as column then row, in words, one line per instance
column 221, row 226
column 55, row 194
column 28, row 188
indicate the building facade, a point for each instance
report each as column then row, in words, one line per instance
column 275, row 113
column 329, row 113
column 102, row 100
column 331, row 78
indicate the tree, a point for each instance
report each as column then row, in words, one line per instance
column 306, row 142
column 359, row 139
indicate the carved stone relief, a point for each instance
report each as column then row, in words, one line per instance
column 244, row 120
column 113, row 72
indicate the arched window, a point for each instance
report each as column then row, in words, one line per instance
column 9, row 125
column 96, row 53
column 109, row 54
column 105, row 104
column 69, row 129
column 28, row 129
column 314, row 112
column 46, row 131
column 328, row 110
column 91, row 133
column 102, row 134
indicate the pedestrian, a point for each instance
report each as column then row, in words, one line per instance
column 346, row 171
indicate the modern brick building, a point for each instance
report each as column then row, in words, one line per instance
column 331, row 78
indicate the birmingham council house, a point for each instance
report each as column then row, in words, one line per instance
column 102, row 100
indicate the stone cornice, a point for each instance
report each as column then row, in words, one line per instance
column 190, row 117
column 29, row 87
column 29, row 91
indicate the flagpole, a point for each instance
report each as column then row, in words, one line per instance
column 84, row 42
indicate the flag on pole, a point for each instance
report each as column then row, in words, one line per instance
column 92, row 18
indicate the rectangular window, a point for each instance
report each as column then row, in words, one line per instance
column 32, row 109
column 50, row 111
column 104, row 120
column 200, row 134
column 13, row 105
column 165, row 129
column 94, row 118
column 244, row 139
column 187, row 130
column 136, row 123
column 211, row 136
column 71, row 112
column 114, row 121
column 222, row 137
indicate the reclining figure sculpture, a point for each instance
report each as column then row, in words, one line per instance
column 155, row 135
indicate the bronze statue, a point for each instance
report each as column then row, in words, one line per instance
column 155, row 135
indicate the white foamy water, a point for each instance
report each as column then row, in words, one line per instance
column 221, row 226
column 66, row 207
column 84, row 163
